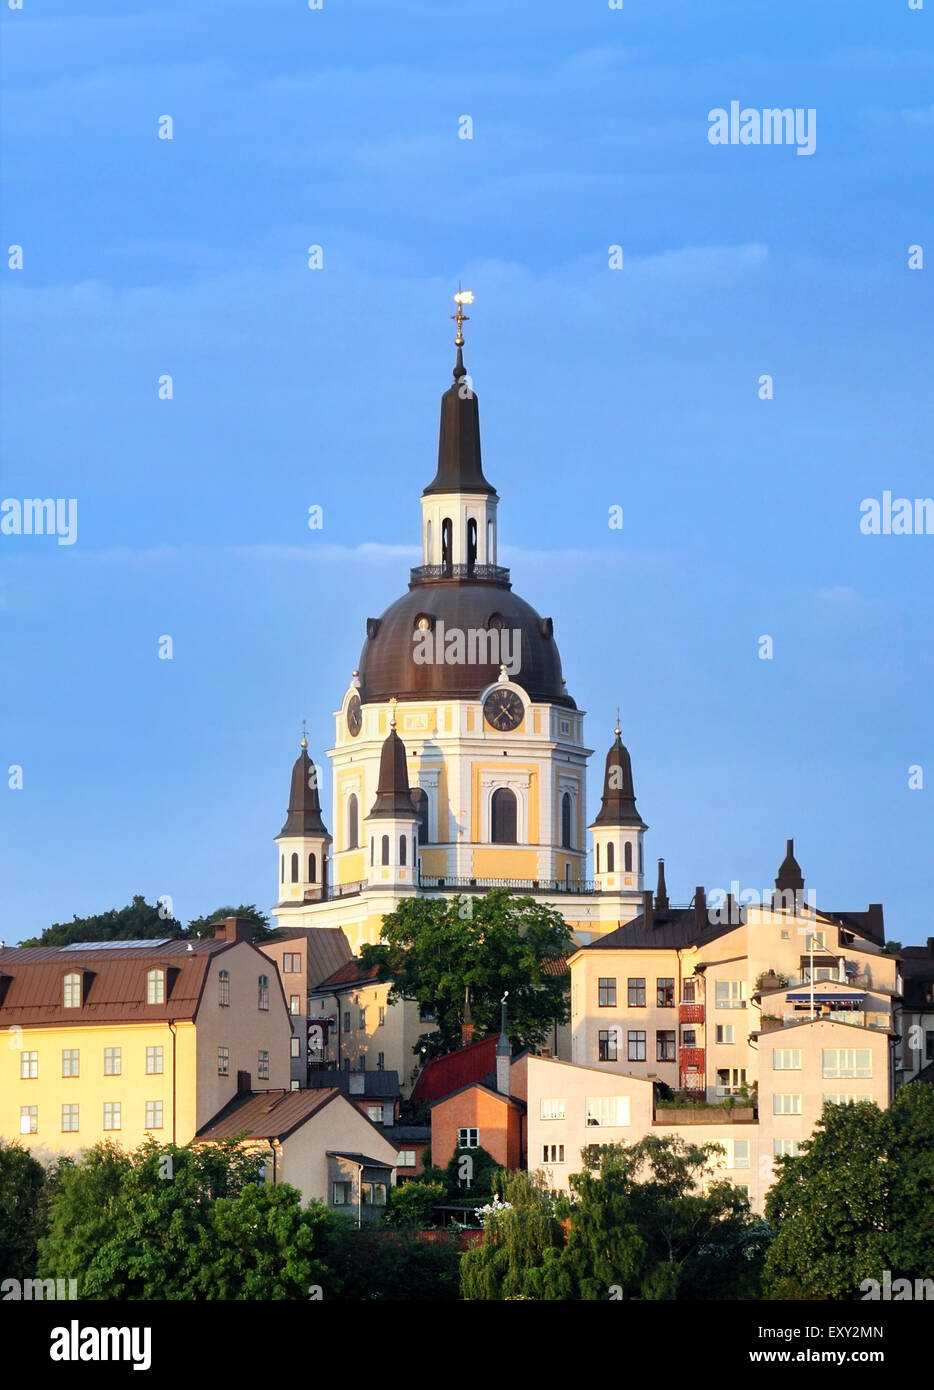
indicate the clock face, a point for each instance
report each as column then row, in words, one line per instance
column 503, row 710
column 354, row 716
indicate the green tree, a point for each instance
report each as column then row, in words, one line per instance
column 435, row 950
column 22, row 1189
column 520, row 1254
column 411, row 1203
column 139, row 920
column 909, row 1125
column 829, row 1208
column 380, row 1265
column 204, row 926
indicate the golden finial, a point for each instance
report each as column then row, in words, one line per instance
column 460, row 318
column 393, row 702
column 304, row 734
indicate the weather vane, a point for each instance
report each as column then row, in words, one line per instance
column 460, row 318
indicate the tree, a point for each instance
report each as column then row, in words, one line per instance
column 411, row 1203
column 436, row 950
column 828, row 1208
column 204, row 926
column 520, row 1255
column 22, row 1188
column 383, row 1265
column 139, row 920
column 909, row 1124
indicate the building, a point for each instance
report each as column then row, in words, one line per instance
column 304, row 956
column 129, row 1040
column 353, row 1028
column 916, row 1019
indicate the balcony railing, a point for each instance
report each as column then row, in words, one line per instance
column 525, row 885
column 494, row 574
column 690, row 1013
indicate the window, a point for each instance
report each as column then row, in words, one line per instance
column 610, row 858
column 373, row 1194
column 637, row 993
column 113, row 1061
column 346, row 1020
column 71, row 1061
column 287, row 963
column 471, row 542
column 786, row 1148
column 420, row 803
column 845, row 1100
column 607, row 992
column 295, row 1046
column 155, row 986
column 382, row 1015
column 552, row 1153
column 69, row 1119
column 468, row 1139
column 665, row 993
column 687, row 990
column 282, row 868
column 154, row 1057
column 607, row 1045
column 636, row 1047
column 372, row 842
column 735, row 1155
column 566, row 821
column 312, row 869
column 427, row 1013
column 341, row 1194
column 819, row 939
column 552, row 1109
column 447, row 531
column 405, row 1158
column 688, row 1037
column 293, row 868
column 724, row 1032
column 223, row 1061
column 929, row 1046
column 786, row 1059
column 111, row 1114
column 375, row 1113
column 223, row 988
column 72, row 992
column 841, row 1062
column 263, row 992
column 154, row 1114
column 730, row 1080
column 597, row 853
column 504, row 816
column 384, row 850
column 28, row 1066
column 295, row 1004
column 262, row 1068
column 665, row 1046
column 29, row 1119
column 402, row 851
column 786, row 1105
column 353, row 822
column 608, row 1110
column 730, row 994
column 627, row 857
column 363, row 1018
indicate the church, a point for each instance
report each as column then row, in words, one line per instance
column 459, row 760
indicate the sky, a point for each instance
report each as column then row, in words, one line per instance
column 637, row 387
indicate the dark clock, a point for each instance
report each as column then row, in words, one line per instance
column 503, row 710
column 354, row 716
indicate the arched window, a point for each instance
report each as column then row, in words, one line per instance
column 504, row 816
column 447, row 537
column 312, row 869
column 263, row 992
column 567, row 876
column 371, row 851
column 223, row 987
column 294, row 868
column 598, row 856
column 471, row 543
column 353, row 822
column 155, row 987
column 640, row 856
column 429, row 557
column 401, row 849
column 566, row 821
column 420, row 802
column 610, row 858
column 490, row 547
column 385, row 850
column 72, row 991
column 627, row 856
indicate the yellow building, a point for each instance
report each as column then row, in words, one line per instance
column 126, row 1040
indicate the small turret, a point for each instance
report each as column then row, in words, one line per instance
column 304, row 840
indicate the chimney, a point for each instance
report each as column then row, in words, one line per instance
column 233, row 929
column 875, row 923
column 661, row 892
column 467, row 1023
column 648, row 910
column 503, row 1054
column 244, row 1083
column 700, row 906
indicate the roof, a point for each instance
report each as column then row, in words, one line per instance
column 393, row 795
column 414, row 1134
column 363, row 1159
column 113, row 984
column 618, row 803
column 383, row 1084
column 516, row 1101
column 443, row 1076
column 672, row 930
column 327, row 949
column 266, row 1114
column 351, row 973
column 304, row 814
column 460, row 468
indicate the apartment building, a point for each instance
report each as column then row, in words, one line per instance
column 916, row 1016
column 304, row 956
column 353, row 1027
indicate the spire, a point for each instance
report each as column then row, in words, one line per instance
column 789, row 874
column 304, row 813
column 661, row 892
column 619, row 798
column 393, row 798
column 459, row 466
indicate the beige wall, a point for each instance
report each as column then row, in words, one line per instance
column 302, row 1159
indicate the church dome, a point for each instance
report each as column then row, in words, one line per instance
column 388, row 667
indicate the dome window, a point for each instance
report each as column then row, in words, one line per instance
column 496, row 622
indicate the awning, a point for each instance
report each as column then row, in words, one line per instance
column 823, row 996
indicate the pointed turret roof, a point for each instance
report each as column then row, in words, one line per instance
column 789, row 874
column 304, row 813
column 618, row 805
column 393, row 796
column 459, row 466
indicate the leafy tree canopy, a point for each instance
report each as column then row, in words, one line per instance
column 143, row 921
column 22, row 1188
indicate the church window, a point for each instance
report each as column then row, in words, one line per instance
column 371, row 851
column 401, row 849
column 429, row 558
column 447, row 534
column 627, row 856
column 471, row 542
column 598, row 857
column 282, row 868
column 353, row 818
column 490, row 556
column 385, row 850
column 504, row 816
column 566, row 821
column 610, row 858
column 420, row 802
column 312, row 869
column 294, row 868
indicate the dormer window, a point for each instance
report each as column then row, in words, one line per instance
column 72, row 991
column 155, row 987
column 263, row 1001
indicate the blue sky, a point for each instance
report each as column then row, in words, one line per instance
column 635, row 387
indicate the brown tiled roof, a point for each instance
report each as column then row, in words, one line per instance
column 113, row 982
column 350, row 974
column 266, row 1114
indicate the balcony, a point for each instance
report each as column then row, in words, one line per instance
column 490, row 574
column 690, row 1013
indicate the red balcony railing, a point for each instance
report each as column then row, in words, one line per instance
column 691, row 1013
column 691, row 1059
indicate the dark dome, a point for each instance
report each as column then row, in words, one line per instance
column 388, row 668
